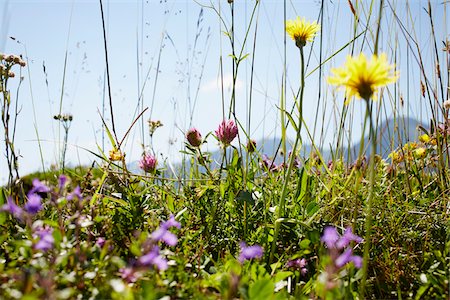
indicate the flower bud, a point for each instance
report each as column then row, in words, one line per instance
column 194, row 137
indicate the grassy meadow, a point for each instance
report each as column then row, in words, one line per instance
column 316, row 218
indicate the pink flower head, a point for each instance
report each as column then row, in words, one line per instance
column 148, row 163
column 194, row 137
column 226, row 132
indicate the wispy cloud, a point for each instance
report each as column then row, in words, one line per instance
column 215, row 84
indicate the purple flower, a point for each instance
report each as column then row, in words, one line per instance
column 75, row 193
column 128, row 274
column 249, row 252
column 62, row 181
column 38, row 187
column 298, row 264
column 100, row 242
column 171, row 223
column 336, row 244
column 46, row 240
column 33, row 204
column 348, row 236
column 12, row 208
column 226, row 132
column 148, row 163
column 347, row 257
column 162, row 234
column 330, row 237
column 194, row 137
column 153, row 258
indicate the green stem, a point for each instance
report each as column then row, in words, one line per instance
column 281, row 208
column 369, row 201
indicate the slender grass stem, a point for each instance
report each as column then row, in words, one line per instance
column 368, row 223
column 282, row 203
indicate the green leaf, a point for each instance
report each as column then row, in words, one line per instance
column 261, row 290
column 305, row 243
column 312, row 208
column 282, row 275
column 303, row 184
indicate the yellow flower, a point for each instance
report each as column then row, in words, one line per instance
column 420, row 152
column 362, row 78
column 424, row 138
column 116, row 155
column 301, row 31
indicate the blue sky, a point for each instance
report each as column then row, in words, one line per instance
column 141, row 33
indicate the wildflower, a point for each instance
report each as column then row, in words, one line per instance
column 362, row 78
column 62, row 182
column 46, row 239
column 301, row 31
column 38, row 187
column 148, row 163
column 269, row 164
column 33, row 204
column 424, row 138
column 163, row 233
column 251, row 146
column 420, row 152
column 336, row 244
column 194, row 137
column 12, row 208
column 298, row 264
column 76, row 193
column 153, row 125
column 330, row 236
column 226, row 132
column 171, row 223
column 154, row 258
column 447, row 104
column 116, row 155
column 100, row 242
column 249, row 252
column 347, row 257
column 128, row 274
column 348, row 237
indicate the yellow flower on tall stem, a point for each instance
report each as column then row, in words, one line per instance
column 362, row 78
column 302, row 31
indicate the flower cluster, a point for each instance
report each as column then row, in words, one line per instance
column 116, row 155
column 153, row 257
column 298, row 264
column 6, row 63
column 153, row 125
column 33, row 204
column 336, row 244
column 148, row 163
column 44, row 234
